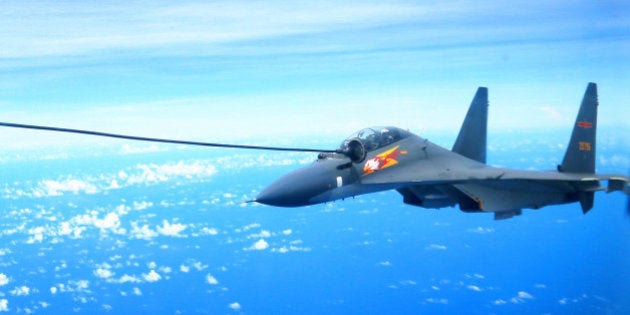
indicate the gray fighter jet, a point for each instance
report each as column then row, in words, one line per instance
column 429, row 176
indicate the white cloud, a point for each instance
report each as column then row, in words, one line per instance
column 247, row 227
column 153, row 173
column 184, row 268
column 260, row 245
column 4, row 280
column 103, row 273
column 4, row 305
column 122, row 175
column 142, row 205
column 53, row 290
column 291, row 248
column 65, row 228
column 49, row 188
column 262, row 234
column 166, row 269
column 554, row 115
column 474, row 288
column 80, row 285
column 77, row 224
column 199, row 266
column 21, row 291
column 211, row 279
column 169, row 229
column 407, row 282
column 142, row 174
column 436, row 247
column 281, row 250
column 481, row 230
column 143, row 232
column 436, row 301
column 127, row 278
column 113, row 185
column 209, row 231
column 152, row 276
column 136, row 291
column 521, row 297
column 111, row 221
column 37, row 235
column 235, row 306
column 287, row 232
column 123, row 209
column 129, row 149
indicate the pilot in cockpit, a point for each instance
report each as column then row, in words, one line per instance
column 387, row 137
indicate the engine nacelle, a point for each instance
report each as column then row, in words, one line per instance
column 433, row 201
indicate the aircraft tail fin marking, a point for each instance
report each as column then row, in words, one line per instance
column 580, row 154
column 471, row 141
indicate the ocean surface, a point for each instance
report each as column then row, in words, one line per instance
column 134, row 228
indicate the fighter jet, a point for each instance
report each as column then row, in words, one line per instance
column 429, row 176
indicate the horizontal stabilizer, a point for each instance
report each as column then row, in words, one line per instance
column 471, row 141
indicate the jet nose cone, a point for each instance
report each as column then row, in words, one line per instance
column 297, row 188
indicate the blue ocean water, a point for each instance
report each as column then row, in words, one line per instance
column 167, row 232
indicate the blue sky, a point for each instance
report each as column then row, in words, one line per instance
column 235, row 70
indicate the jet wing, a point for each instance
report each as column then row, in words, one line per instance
column 414, row 176
column 485, row 188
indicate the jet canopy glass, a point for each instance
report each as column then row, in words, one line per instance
column 375, row 137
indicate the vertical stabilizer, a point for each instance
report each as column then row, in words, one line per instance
column 580, row 155
column 471, row 141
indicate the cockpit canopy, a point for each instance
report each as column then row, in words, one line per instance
column 375, row 137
